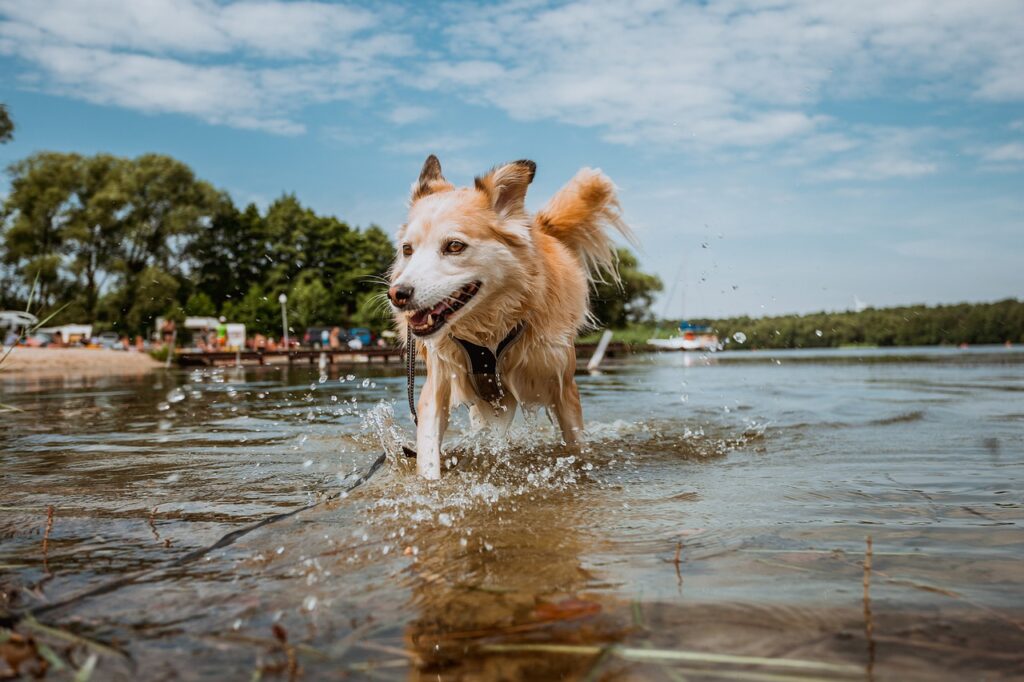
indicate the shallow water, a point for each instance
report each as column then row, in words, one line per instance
column 722, row 506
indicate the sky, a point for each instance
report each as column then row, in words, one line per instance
column 773, row 156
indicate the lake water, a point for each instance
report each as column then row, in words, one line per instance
column 715, row 528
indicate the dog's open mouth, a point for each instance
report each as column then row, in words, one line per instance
column 427, row 321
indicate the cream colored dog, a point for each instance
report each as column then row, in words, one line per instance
column 496, row 297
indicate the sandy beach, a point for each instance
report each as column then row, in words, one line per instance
column 74, row 361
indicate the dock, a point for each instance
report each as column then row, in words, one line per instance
column 338, row 356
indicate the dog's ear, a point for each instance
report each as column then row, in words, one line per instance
column 431, row 180
column 506, row 186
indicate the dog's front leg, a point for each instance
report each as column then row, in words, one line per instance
column 569, row 412
column 433, row 408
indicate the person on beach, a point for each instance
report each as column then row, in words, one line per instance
column 167, row 330
column 222, row 333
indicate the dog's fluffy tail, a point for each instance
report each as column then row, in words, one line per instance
column 581, row 215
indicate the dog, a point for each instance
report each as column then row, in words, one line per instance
column 495, row 297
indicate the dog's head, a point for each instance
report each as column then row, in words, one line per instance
column 463, row 255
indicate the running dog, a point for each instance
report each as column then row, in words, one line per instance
column 495, row 297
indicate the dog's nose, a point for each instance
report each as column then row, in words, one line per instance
column 400, row 295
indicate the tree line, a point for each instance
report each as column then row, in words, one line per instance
column 118, row 242
column 915, row 325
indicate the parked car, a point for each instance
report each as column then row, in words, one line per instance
column 364, row 335
column 314, row 336
column 109, row 340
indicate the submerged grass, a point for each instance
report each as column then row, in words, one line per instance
column 676, row 656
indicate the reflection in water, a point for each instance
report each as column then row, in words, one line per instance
column 718, row 510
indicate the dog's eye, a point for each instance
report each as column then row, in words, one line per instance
column 454, row 246
column 406, row 249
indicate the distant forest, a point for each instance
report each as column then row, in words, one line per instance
column 916, row 325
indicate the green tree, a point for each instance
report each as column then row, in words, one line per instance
column 93, row 228
column 257, row 310
column 616, row 306
column 34, row 217
column 200, row 305
column 6, row 124
column 372, row 311
column 232, row 255
column 309, row 303
column 155, row 295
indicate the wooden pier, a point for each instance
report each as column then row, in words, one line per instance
column 336, row 356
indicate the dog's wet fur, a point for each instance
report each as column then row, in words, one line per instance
column 473, row 264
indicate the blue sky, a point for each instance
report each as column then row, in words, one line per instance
column 773, row 155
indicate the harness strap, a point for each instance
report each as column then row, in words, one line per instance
column 484, row 372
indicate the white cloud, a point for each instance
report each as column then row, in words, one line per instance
column 1007, row 153
column 884, row 168
column 195, row 26
column 438, row 144
column 406, row 114
column 871, row 153
column 660, row 74
column 735, row 73
column 154, row 55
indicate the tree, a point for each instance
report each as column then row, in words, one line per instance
column 155, row 295
column 121, row 241
column 616, row 306
column 93, row 229
column 166, row 207
column 372, row 310
column 309, row 303
column 200, row 305
column 232, row 255
column 258, row 311
column 34, row 215
column 6, row 124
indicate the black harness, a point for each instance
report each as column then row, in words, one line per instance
column 483, row 365
column 484, row 370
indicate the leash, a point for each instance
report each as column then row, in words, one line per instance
column 410, row 373
column 410, row 378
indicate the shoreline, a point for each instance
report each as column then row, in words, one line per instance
column 33, row 362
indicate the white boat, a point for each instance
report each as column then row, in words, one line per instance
column 691, row 337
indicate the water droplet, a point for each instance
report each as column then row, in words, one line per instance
column 818, row 333
column 444, row 519
column 309, row 603
column 308, row 463
column 740, row 337
column 175, row 395
column 280, row 550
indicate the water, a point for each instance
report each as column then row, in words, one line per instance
column 722, row 506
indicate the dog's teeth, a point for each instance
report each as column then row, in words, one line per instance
column 430, row 319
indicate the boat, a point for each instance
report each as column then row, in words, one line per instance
column 691, row 337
